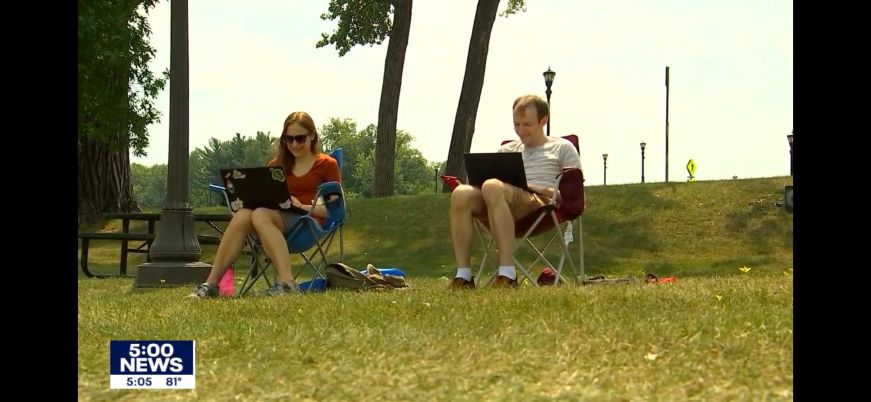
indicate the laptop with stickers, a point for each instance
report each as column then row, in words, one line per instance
column 258, row 187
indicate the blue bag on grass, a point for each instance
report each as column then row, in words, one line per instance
column 385, row 271
column 314, row 285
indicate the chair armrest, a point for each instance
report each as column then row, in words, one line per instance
column 334, row 201
column 451, row 181
column 570, row 184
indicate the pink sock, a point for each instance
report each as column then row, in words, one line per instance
column 226, row 282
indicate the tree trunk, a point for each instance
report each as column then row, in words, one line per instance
column 470, row 95
column 104, row 181
column 104, row 170
column 388, row 110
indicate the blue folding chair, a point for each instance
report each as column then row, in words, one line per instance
column 307, row 235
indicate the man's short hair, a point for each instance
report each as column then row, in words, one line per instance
column 525, row 101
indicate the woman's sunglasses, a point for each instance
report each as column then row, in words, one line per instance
column 299, row 139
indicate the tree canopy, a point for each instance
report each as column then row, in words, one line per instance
column 116, row 90
column 415, row 174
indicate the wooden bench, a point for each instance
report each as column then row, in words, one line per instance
column 125, row 238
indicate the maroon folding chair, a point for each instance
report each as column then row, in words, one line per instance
column 570, row 184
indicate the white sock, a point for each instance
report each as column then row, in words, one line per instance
column 465, row 273
column 508, row 271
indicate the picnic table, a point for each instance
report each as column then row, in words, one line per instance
column 142, row 240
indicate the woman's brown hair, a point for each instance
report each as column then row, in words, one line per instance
column 284, row 157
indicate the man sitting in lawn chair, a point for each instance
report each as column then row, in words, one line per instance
column 500, row 204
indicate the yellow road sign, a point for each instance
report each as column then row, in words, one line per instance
column 691, row 167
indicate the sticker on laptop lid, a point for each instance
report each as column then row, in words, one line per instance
column 237, row 205
column 277, row 174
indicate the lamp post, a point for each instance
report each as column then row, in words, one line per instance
column 605, row 173
column 643, row 144
column 789, row 138
column 666, row 124
column 175, row 251
column 548, row 81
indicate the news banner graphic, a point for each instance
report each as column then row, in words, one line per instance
column 152, row 364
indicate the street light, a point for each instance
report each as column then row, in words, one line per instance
column 605, row 164
column 548, row 81
column 643, row 144
column 789, row 138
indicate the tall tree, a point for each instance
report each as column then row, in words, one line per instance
column 368, row 22
column 115, row 94
column 358, row 150
column 473, row 82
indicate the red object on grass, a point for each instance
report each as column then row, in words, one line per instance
column 547, row 277
column 226, row 283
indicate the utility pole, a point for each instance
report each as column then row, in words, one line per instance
column 666, row 124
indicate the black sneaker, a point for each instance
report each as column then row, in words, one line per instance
column 280, row 288
column 203, row 291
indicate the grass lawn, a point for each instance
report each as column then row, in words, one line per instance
column 717, row 333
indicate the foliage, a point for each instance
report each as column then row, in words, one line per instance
column 149, row 184
column 113, row 53
column 361, row 22
column 513, row 7
column 415, row 174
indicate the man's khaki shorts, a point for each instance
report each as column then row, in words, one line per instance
column 522, row 202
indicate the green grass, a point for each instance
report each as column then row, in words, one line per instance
column 715, row 334
column 683, row 229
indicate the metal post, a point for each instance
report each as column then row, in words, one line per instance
column 175, row 250
column 666, row 124
column 605, row 166
column 548, row 81
column 548, row 107
column 790, row 139
column 642, row 160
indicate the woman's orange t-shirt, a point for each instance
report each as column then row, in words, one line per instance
column 304, row 187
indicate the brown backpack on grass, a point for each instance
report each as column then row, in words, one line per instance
column 342, row 276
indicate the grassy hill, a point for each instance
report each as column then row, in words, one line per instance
column 714, row 334
column 686, row 229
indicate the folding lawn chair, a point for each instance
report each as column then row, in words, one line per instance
column 570, row 184
column 307, row 238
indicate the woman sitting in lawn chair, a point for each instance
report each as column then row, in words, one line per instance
column 305, row 169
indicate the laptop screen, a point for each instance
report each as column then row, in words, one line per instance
column 258, row 187
column 505, row 166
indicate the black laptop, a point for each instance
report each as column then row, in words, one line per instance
column 505, row 166
column 258, row 187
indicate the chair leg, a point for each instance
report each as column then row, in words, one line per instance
column 486, row 244
column 321, row 248
column 257, row 269
column 581, row 249
column 566, row 254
